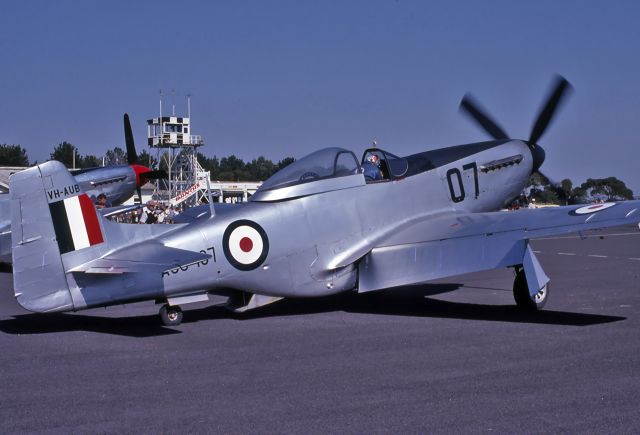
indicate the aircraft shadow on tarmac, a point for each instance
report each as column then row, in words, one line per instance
column 411, row 301
column 414, row 301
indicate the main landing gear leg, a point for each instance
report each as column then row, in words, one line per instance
column 521, row 294
column 171, row 315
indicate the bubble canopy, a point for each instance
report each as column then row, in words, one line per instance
column 324, row 164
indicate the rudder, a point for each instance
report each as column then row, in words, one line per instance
column 50, row 217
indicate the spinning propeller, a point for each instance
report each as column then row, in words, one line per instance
column 560, row 90
column 143, row 174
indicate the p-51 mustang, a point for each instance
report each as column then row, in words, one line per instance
column 315, row 228
column 118, row 182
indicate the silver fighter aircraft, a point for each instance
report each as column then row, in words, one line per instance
column 316, row 228
column 117, row 182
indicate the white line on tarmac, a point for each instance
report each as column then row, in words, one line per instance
column 634, row 258
column 566, row 253
column 537, row 252
column 596, row 256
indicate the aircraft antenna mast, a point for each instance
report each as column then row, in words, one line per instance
column 173, row 102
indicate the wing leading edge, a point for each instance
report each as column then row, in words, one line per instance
column 455, row 244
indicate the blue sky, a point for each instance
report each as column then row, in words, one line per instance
column 284, row 78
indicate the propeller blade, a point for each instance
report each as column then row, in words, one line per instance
column 543, row 177
column 132, row 156
column 561, row 89
column 139, row 190
column 154, row 175
column 471, row 108
column 557, row 187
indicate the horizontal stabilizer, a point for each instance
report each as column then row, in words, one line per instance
column 148, row 256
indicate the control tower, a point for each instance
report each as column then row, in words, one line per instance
column 176, row 150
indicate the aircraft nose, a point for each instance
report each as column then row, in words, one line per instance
column 139, row 170
column 538, row 154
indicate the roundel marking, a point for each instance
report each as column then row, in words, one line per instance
column 593, row 208
column 245, row 244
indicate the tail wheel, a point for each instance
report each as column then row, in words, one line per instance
column 521, row 293
column 171, row 315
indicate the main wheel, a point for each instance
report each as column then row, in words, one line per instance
column 171, row 315
column 521, row 293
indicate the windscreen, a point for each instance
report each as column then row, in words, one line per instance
column 322, row 164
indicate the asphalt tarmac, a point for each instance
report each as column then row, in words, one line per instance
column 421, row 359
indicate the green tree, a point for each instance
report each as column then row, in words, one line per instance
column 537, row 181
column 146, row 159
column 64, row 153
column 579, row 196
column 549, row 195
column 233, row 168
column 115, row 156
column 611, row 187
column 260, row 169
column 542, row 190
column 285, row 162
column 571, row 195
column 210, row 164
column 545, row 195
column 13, row 155
column 89, row 161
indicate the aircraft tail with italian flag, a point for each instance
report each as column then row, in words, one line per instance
column 50, row 219
column 66, row 256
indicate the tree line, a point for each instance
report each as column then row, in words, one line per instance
column 229, row 168
column 232, row 168
column 608, row 189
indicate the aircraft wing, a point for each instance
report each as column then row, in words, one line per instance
column 452, row 244
column 524, row 223
column 149, row 256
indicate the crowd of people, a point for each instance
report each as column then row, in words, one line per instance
column 152, row 212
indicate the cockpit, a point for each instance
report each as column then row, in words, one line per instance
column 329, row 169
column 320, row 165
column 379, row 165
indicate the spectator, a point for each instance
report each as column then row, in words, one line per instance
column 102, row 202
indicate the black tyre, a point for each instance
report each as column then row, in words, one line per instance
column 521, row 294
column 171, row 315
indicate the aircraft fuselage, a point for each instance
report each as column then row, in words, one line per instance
column 312, row 242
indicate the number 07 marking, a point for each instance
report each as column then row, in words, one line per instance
column 475, row 175
column 455, row 171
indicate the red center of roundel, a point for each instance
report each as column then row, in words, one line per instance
column 246, row 244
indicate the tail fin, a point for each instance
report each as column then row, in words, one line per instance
column 50, row 216
column 67, row 257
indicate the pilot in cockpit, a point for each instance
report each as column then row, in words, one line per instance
column 371, row 168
